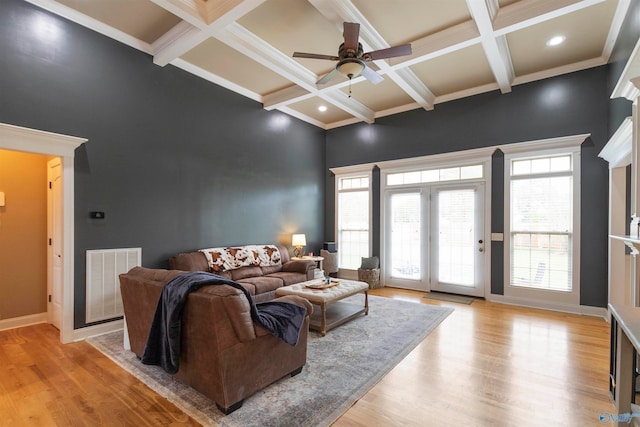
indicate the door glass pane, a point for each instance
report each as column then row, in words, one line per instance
column 405, row 236
column 455, row 234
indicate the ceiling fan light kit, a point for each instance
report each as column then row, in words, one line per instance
column 350, row 67
column 352, row 59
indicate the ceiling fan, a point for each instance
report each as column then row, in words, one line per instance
column 351, row 58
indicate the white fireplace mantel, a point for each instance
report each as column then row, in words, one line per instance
column 632, row 242
column 618, row 150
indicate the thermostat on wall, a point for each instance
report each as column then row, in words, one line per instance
column 96, row 215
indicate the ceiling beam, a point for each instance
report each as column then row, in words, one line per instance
column 525, row 13
column 201, row 20
column 437, row 44
column 92, row 24
column 495, row 47
column 285, row 96
column 175, row 42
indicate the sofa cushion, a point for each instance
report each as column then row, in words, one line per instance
column 244, row 272
column 263, row 284
column 289, row 278
column 249, row 287
column 225, row 274
column 270, row 269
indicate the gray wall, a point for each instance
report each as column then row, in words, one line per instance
column 175, row 162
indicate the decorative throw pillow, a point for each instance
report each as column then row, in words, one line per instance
column 370, row 263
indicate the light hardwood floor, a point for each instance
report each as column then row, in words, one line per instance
column 486, row 365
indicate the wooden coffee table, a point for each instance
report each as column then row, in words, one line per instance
column 332, row 312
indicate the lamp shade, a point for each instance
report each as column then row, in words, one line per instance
column 298, row 240
column 350, row 68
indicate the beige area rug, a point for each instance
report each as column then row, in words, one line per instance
column 341, row 367
column 443, row 296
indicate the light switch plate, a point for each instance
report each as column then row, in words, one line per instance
column 1, row 198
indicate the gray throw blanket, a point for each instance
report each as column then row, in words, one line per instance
column 282, row 319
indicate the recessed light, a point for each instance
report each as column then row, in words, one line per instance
column 556, row 40
column 322, row 108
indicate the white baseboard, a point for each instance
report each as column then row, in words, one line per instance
column 19, row 322
column 103, row 328
column 545, row 305
column 78, row 334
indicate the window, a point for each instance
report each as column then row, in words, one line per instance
column 436, row 175
column 542, row 204
column 353, row 220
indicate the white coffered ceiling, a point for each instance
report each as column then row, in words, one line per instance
column 460, row 47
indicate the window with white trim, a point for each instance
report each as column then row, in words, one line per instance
column 455, row 173
column 542, row 206
column 353, row 220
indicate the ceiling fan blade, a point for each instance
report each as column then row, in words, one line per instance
column 390, row 52
column 371, row 75
column 328, row 77
column 351, row 33
column 314, row 56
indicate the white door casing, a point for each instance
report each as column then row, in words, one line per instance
column 39, row 142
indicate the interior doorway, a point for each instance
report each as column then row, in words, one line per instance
column 62, row 146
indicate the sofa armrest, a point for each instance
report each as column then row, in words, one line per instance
column 192, row 261
column 299, row 266
column 294, row 299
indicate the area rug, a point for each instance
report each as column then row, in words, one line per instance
column 443, row 296
column 341, row 367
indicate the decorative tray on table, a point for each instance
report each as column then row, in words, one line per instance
column 322, row 284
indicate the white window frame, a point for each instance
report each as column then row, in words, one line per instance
column 553, row 299
column 352, row 172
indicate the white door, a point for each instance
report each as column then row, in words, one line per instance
column 405, row 249
column 457, row 239
column 54, row 253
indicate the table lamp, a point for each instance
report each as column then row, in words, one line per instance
column 299, row 241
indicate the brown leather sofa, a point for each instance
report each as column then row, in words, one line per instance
column 225, row 355
column 261, row 282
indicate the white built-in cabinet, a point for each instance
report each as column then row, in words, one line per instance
column 624, row 270
column 622, row 151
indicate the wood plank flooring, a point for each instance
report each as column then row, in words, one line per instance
column 486, row 365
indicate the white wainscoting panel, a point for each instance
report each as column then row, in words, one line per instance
column 103, row 285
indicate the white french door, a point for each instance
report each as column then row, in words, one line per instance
column 434, row 238
column 405, row 247
column 457, row 239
